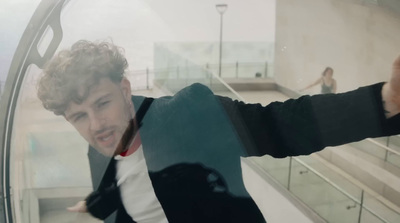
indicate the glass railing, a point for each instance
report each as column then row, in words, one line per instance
column 385, row 148
column 175, row 79
column 242, row 69
column 326, row 198
column 184, row 75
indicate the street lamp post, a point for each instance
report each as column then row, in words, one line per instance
column 221, row 8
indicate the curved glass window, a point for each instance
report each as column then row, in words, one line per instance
column 48, row 165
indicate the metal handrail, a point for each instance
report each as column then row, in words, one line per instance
column 338, row 188
column 173, row 68
column 329, row 182
column 383, row 146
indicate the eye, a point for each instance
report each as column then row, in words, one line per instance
column 102, row 104
column 79, row 117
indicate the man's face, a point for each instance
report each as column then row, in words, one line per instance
column 104, row 115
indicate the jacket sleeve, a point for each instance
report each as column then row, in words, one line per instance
column 106, row 198
column 310, row 123
column 103, row 202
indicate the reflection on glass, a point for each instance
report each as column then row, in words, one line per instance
column 49, row 167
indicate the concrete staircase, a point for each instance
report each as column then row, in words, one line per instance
column 380, row 176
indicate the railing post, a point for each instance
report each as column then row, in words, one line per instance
column 387, row 145
column 361, row 206
column 290, row 173
column 266, row 69
column 147, row 78
column 387, row 141
column 237, row 69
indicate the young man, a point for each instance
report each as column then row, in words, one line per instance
column 156, row 174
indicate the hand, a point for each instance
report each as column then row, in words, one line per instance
column 79, row 207
column 391, row 91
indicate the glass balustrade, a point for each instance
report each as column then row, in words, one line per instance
column 389, row 154
column 330, row 195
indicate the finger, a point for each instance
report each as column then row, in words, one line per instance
column 395, row 79
column 396, row 64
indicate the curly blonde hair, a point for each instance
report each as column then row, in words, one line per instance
column 70, row 75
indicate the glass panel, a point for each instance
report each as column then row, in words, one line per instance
column 327, row 201
column 49, row 162
column 379, row 208
column 379, row 151
column 241, row 59
column 320, row 195
column 370, row 201
column 394, row 142
column 393, row 158
column 383, row 140
column 277, row 168
column 370, row 148
column 50, row 169
column 332, row 175
column 49, row 166
column 368, row 217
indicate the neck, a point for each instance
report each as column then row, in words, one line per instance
column 134, row 146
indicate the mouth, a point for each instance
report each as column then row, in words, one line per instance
column 106, row 139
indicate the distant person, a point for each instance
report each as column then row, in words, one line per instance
column 328, row 84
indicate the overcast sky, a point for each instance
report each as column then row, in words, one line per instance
column 14, row 16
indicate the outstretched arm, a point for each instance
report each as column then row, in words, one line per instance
column 391, row 91
column 311, row 123
column 318, row 81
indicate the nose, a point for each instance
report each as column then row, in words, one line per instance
column 97, row 122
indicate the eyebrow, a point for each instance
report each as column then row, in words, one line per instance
column 70, row 117
column 102, row 98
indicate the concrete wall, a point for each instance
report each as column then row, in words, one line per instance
column 357, row 39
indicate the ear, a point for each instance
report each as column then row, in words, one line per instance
column 126, row 88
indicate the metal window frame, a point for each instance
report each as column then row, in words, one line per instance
column 47, row 14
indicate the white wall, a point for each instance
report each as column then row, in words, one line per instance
column 359, row 41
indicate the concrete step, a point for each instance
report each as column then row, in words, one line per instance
column 251, row 84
